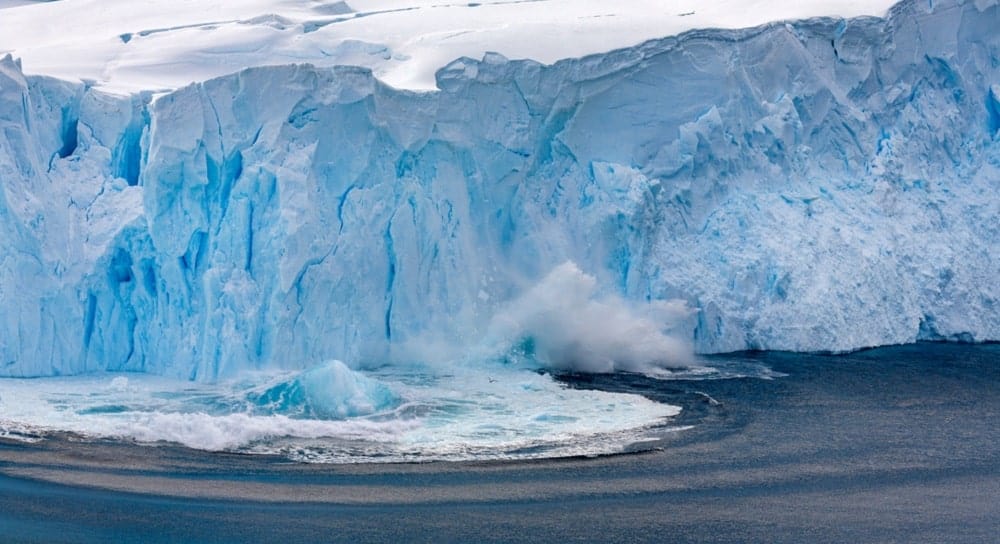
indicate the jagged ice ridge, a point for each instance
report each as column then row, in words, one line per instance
column 825, row 184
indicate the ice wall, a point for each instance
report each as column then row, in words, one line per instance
column 817, row 185
column 69, row 161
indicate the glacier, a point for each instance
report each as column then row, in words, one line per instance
column 817, row 185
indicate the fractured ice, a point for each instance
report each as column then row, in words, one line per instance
column 818, row 185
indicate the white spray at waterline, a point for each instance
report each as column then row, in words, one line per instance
column 572, row 327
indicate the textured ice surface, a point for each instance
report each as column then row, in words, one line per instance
column 827, row 184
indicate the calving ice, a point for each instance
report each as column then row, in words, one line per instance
column 821, row 184
column 286, row 215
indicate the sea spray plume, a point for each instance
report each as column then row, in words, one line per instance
column 571, row 326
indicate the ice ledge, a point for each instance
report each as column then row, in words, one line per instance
column 163, row 45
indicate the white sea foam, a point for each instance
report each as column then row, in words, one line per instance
column 472, row 413
column 479, row 407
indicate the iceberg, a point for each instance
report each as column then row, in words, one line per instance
column 825, row 184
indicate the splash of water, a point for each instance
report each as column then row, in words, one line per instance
column 565, row 324
column 475, row 407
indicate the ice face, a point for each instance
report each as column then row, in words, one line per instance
column 820, row 185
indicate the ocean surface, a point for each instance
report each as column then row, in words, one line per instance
column 897, row 444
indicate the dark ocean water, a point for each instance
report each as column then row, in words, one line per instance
column 897, row 444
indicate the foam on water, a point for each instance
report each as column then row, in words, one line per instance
column 498, row 401
column 395, row 414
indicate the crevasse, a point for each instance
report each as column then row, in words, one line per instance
column 815, row 185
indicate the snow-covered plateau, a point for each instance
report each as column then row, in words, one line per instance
column 821, row 184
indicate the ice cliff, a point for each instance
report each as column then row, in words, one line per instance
column 824, row 184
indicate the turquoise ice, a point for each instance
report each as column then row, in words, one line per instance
column 818, row 185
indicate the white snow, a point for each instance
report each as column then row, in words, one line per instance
column 125, row 46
